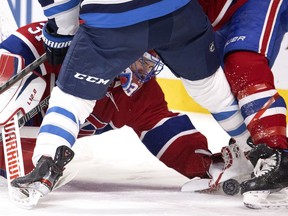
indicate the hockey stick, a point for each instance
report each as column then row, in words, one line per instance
column 29, row 68
column 29, row 115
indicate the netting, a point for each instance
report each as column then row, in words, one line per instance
column 7, row 21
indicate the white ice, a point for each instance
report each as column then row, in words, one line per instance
column 118, row 176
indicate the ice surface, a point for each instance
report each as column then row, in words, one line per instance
column 118, row 176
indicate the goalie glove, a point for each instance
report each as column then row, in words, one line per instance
column 41, row 180
column 23, row 95
column 56, row 46
column 10, row 64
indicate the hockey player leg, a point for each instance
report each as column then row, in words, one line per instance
column 216, row 90
column 263, row 109
column 214, row 94
column 41, row 180
column 64, row 117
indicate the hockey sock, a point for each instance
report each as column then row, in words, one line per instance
column 263, row 109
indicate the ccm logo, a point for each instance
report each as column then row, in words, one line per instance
column 91, row 78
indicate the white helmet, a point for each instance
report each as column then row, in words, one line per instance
column 147, row 66
column 141, row 71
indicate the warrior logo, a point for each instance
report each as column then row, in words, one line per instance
column 12, row 150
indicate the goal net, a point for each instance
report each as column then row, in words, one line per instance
column 7, row 21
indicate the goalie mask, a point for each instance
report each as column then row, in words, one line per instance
column 141, row 71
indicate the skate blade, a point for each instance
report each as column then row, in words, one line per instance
column 266, row 199
column 26, row 198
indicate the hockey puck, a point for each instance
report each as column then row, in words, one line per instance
column 231, row 187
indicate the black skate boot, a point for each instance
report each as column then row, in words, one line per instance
column 270, row 175
column 41, row 180
column 47, row 171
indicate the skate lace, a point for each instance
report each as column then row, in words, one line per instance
column 264, row 166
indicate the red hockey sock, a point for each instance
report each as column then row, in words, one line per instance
column 244, row 69
column 248, row 74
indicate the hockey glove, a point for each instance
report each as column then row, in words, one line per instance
column 55, row 45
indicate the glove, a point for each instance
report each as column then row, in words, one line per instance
column 55, row 45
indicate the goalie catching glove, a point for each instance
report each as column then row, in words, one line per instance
column 42, row 179
column 56, row 46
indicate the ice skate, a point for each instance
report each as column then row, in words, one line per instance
column 268, row 187
column 27, row 190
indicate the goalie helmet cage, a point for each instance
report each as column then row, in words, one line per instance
column 7, row 22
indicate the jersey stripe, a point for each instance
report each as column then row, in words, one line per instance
column 269, row 26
